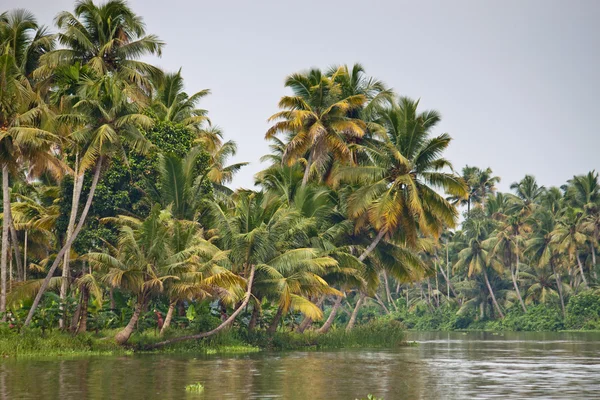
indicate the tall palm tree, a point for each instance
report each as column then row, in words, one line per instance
column 21, row 138
column 480, row 183
column 475, row 258
column 397, row 187
column 109, row 119
column 317, row 120
column 569, row 237
column 107, row 38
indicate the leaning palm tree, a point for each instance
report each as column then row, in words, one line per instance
column 317, row 120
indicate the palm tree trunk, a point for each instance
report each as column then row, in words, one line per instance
column 15, row 245
column 593, row 251
column 253, row 318
column 487, row 282
column 85, row 297
column 76, row 315
column 372, row 246
column 273, row 327
column 307, row 169
column 388, row 293
column 77, row 188
column 123, row 336
column 62, row 251
column 559, row 288
column 25, row 255
column 168, row 318
column 219, row 328
column 381, row 303
column 5, row 248
column 581, row 269
column 450, row 286
column 327, row 325
column 516, row 286
column 355, row 312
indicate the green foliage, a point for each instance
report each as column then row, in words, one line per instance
column 195, row 388
column 583, row 311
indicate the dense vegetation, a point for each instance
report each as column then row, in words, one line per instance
column 117, row 217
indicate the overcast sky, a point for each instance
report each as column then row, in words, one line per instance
column 517, row 82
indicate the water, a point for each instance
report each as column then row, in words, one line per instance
column 443, row 366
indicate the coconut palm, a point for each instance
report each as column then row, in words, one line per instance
column 480, row 183
column 569, row 238
column 107, row 38
column 317, row 120
column 21, row 138
column 108, row 120
column 475, row 258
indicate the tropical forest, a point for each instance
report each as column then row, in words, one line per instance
column 122, row 233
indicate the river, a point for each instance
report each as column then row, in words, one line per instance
column 443, row 365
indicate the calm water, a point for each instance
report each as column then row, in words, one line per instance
column 442, row 366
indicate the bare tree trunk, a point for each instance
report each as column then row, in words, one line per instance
column 168, row 318
column 219, row 328
column 390, row 300
column 123, row 336
column 352, row 321
column 487, row 282
column 372, row 246
column 5, row 248
column 76, row 315
column 581, row 269
column 62, row 251
column 450, row 286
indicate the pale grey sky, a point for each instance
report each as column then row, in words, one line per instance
column 517, row 81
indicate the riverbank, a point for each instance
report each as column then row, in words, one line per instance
column 35, row 343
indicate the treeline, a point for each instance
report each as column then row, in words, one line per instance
column 117, row 215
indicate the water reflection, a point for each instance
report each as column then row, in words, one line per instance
column 443, row 365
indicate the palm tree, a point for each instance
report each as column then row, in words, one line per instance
column 22, row 41
column 397, row 193
column 107, row 38
column 480, row 183
column 108, row 120
column 317, row 120
column 170, row 103
column 568, row 236
column 475, row 258
column 541, row 248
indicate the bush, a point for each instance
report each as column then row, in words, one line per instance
column 583, row 311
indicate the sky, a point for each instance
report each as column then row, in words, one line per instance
column 517, row 82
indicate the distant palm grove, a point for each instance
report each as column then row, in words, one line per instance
column 117, row 215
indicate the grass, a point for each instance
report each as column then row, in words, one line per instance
column 35, row 343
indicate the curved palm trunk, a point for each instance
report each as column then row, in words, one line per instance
column 123, row 336
column 559, row 288
column 585, row 282
column 219, row 328
column 327, row 325
column 168, row 318
column 354, row 315
column 516, row 286
column 5, row 248
column 487, row 282
column 253, row 318
column 62, row 251
column 307, row 321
